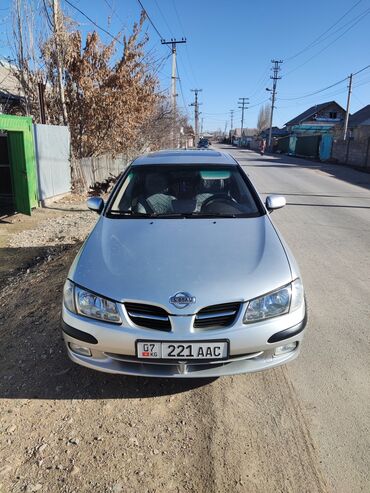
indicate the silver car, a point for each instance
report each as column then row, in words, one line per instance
column 184, row 275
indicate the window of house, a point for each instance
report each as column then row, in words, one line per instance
column 333, row 114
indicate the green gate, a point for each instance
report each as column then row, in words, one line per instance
column 22, row 159
column 308, row 145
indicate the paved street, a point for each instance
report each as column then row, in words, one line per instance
column 327, row 226
column 302, row 428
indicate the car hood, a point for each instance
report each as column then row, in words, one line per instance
column 148, row 261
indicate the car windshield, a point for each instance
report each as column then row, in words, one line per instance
column 184, row 191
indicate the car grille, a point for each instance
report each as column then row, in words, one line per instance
column 149, row 316
column 207, row 362
column 216, row 316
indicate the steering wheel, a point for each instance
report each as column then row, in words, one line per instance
column 220, row 198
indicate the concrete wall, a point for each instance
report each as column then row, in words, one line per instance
column 52, row 144
column 352, row 152
column 361, row 133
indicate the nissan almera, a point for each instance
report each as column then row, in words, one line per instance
column 184, row 275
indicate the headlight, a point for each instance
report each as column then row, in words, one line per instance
column 279, row 302
column 297, row 295
column 83, row 302
column 69, row 296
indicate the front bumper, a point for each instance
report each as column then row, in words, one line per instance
column 252, row 347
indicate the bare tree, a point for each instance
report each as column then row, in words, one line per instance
column 263, row 120
column 26, row 67
column 111, row 94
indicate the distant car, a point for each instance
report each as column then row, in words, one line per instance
column 203, row 144
column 184, row 275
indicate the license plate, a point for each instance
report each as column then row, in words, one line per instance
column 182, row 350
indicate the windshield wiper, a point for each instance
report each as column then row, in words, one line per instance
column 187, row 215
column 164, row 215
column 168, row 214
column 129, row 213
column 210, row 214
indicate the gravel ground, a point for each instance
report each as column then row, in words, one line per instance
column 68, row 228
column 28, row 240
column 67, row 429
column 300, row 428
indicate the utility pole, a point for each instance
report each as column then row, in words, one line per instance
column 243, row 102
column 173, row 42
column 276, row 69
column 347, row 108
column 232, row 119
column 201, row 127
column 58, row 60
column 196, row 113
column 231, row 125
column 41, row 92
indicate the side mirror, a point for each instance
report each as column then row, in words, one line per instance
column 275, row 202
column 95, row 204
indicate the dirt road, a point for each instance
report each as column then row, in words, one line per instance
column 299, row 428
column 65, row 428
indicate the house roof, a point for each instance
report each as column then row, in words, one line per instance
column 311, row 112
column 360, row 117
column 247, row 132
column 274, row 131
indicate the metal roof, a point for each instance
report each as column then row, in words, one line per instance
column 183, row 156
column 361, row 116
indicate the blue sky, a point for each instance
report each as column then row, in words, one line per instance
column 230, row 46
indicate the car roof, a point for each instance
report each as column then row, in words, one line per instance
column 186, row 156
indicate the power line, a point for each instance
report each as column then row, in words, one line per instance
column 115, row 38
column 358, row 19
column 151, row 22
column 182, row 92
column 361, row 70
column 315, row 92
column 325, row 88
column 257, row 104
column 261, row 81
column 163, row 17
column 359, row 100
column 299, row 104
column 314, row 42
column 362, row 83
column 178, row 18
column 114, row 11
column 49, row 21
column 161, row 63
column 172, row 42
column 186, row 46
